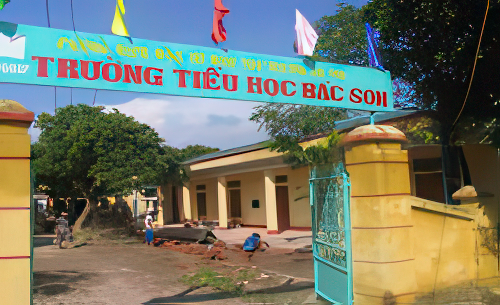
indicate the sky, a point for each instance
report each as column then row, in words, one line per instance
column 257, row 26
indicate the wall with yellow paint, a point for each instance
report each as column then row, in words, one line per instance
column 15, row 204
column 408, row 245
column 252, row 188
column 382, row 230
column 484, row 167
column 211, row 198
column 445, row 244
column 167, row 204
column 298, row 197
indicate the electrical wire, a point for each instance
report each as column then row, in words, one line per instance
column 474, row 67
column 48, row 15
column 73, row 17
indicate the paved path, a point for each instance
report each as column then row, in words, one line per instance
column 287, row 240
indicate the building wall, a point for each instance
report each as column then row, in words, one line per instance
column 298, row 194
column 484, row 167
column 166, row 202
column 252, row 188
column 445, row 245
column 211, row 198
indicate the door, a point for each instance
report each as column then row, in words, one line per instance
column 201, row 201
column 235, row 203
column 282, row 208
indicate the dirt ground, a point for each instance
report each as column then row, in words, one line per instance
column 134, row 273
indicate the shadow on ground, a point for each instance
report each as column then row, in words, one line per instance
column 195, row 298
column 50, row 283
column 40, row 241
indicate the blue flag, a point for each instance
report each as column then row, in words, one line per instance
column 373, row 55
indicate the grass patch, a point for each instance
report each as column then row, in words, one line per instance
column 231, row 281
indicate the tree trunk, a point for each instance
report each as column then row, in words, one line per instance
column 78, row 224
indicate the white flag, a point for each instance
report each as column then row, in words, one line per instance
column 306, row 36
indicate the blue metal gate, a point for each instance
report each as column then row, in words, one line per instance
column 331, row 228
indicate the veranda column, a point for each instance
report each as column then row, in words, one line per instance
column 222, row 202
column 382, row 229
column 15, row 202
column 186, row 202
column 271, row 210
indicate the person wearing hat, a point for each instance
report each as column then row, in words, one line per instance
column 62, row 229
column 148, row 221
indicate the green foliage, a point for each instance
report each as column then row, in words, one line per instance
column 420, row 130
column 3, row 2
column 174, row 172
column 324, row 152
column 342, row 37
column 287, row 125
column 288, row 122
column 84, row 151
column 432, row 44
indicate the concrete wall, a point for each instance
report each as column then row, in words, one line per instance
column 484, row 168
column 15, row 204
column 252, row 188
column 444, row 244
column 166, row 202
column 298, row 195
column 211, row 198
column 408, row 245
column 382, row 230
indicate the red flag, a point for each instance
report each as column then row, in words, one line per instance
column 218, row 30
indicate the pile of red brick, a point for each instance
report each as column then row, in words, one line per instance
column 211, row 251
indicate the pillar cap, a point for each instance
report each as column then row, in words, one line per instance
column 374, row 133
column 13, row 111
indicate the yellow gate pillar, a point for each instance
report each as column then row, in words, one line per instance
column 382, row 229
column 15, row 201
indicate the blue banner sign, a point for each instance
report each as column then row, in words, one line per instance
column 52, row 57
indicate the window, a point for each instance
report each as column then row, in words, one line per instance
column 233, row 184
column 428, row 179
column 281, row 179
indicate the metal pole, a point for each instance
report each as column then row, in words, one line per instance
column 372, row 119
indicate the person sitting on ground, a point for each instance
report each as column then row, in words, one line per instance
column 148, row 221
column 252, row 243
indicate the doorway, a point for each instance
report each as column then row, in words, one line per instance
column 282, row 208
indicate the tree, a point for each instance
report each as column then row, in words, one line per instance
column 449, row 51
column 288, row 124
column 432, row 45
column 341, row 40
column 3, row 3
column 342, row 37
column 86, row 152
column 173, row 158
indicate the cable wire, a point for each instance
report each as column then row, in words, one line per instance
column 73, row 17
column 474, row 67
column 48, row 15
